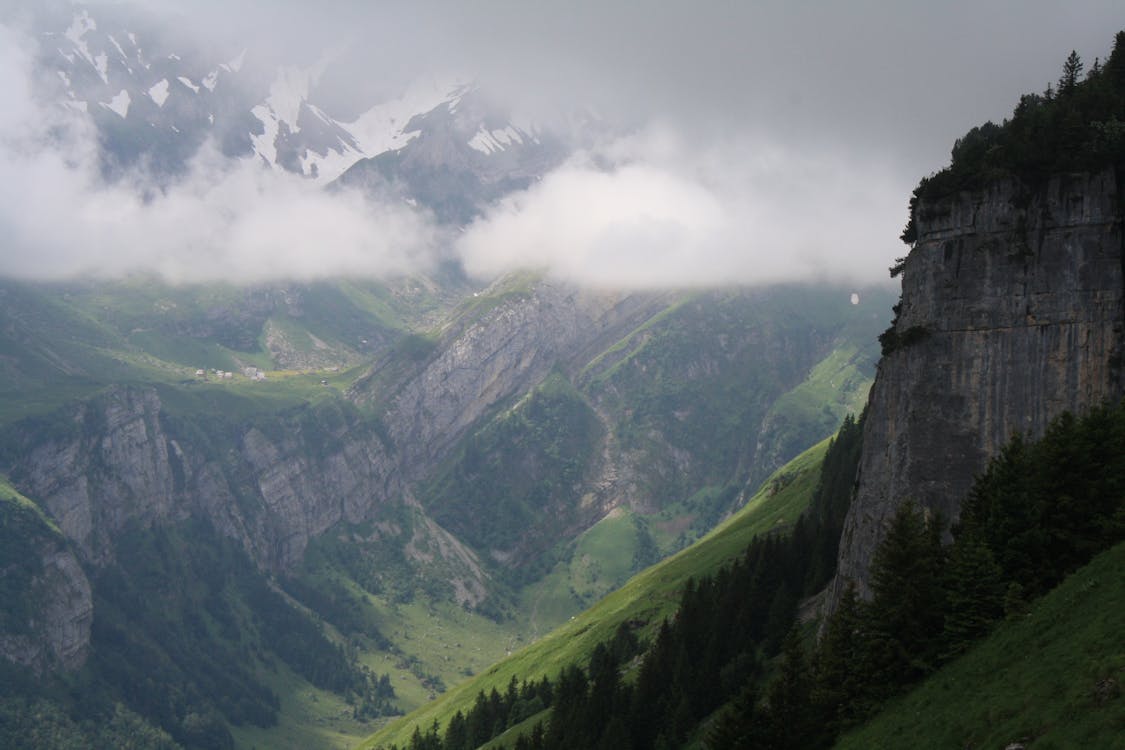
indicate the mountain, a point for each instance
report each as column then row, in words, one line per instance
column 469, row 468
column 1013, row 297
column 275, row 514
column 988, row 470
column 155, row 100
column 641, row 605
column 463, row 154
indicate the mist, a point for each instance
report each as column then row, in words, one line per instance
column 751, row 142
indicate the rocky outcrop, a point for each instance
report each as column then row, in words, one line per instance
column 116, row 462
column 59, row 606
column 499, row 354
column 109, row 465
column 1012, row 311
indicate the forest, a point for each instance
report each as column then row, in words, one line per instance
column 737, row 658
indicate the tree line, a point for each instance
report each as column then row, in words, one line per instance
column 1040, row 511
column 735, row 659
column 727, row 628
column 1077, row 124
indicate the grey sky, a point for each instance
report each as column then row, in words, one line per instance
column 904, row 76
column 766, row 140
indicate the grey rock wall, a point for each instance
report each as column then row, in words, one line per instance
column 1015, row 299
column 58, row 635
column 119, row 464
column 503, row 353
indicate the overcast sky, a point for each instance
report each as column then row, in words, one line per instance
column 760, row 141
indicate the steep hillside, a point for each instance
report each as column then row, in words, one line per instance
column 1049, row 678
column 1013, row 298
column 640, row 604
column 478, row 483
column 681, row 406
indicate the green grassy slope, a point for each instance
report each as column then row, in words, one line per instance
column 647, row 598
column 61, row 342
column 1049, row 679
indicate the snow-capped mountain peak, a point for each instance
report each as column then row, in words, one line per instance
column 155, row 102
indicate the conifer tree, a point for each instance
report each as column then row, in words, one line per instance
column 905, row 617
column 790, row 721
column 975, row 591
column 457, row 734
column 741, row 726
column 838, row 690
column 1072, row 73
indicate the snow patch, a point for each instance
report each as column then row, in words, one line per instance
column 159, row 92
column 119, row 50
column 211, row 80
column 322, row 168
column 491, row 141
column 101, row 63
column 288, row 90
column 235, row 65
column 120, row 103
column 381, row 128
column 187, row 82
column 265, row 145
column 79, row 25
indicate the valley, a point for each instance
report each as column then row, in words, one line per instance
column 425, row 563
column 406, row 380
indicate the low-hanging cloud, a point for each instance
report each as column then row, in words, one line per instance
column 654, row 211
column 228, row 220
column 771, row 141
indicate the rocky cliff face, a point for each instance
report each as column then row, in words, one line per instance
column 1012, row 311
column 502, row 353
column 57, row 633
column 117, row 462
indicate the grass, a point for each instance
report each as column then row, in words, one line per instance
column 602, row 560
column 836, row 386
column 647, row 598
column 13, row 497
column 429, row 638
column 1051, row 679
column 308, row 717
column 514, row 286
column 625, row 343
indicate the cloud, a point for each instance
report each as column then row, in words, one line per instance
column 770, row 140
column 224, row 220
column 653, row 211
column 906, row 77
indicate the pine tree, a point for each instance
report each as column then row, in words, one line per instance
column 905, row 617
column 741, row 726
column 457, row 733
column 790, row 721
column 838, row 689
column 1072, row 72
column 975, row 591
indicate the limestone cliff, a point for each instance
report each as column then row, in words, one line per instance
column 501, row 353
column 48, row 607
column 118, row 461
column 1012, row 311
